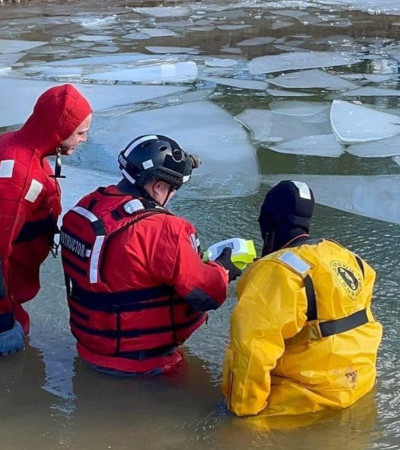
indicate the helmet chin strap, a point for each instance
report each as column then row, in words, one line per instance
column 170, row 190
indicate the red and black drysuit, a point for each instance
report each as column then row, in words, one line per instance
column 137, row 287
column 30, row 197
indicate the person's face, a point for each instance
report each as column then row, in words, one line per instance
column 79, row 135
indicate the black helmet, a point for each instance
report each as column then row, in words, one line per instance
column 288, row 205
column 156, row 157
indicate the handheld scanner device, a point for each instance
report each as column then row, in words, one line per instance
column 243, row 251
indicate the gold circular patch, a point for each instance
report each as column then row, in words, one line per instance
column 350, row 280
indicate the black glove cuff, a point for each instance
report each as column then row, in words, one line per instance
column 6, row 322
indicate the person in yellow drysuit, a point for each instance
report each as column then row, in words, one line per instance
column 302, row 338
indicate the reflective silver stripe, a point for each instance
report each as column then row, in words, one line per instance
column 127, row 176
column 139, row 141
column 186, row 178
column 6, row 168
column 85, row 213
column 296, row 263
column 94, row 260
column 304, row 190
column 34, row 190
column 132, row 206
column 194, row 241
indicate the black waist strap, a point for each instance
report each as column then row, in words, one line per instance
column 344, row 324
column 126, row 300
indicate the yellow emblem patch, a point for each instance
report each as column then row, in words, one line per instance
column 346, row 276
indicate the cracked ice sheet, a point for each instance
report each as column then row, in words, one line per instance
column 319, row 145
column 267, row 126
column 230, row 165
column 300, row 60
column 370, row 91
column 234, row 82
column 180, row 72
column 376, row 149
column 314, row 78
column 356, row 123
column 20, row 106
column 15, row 46
column 372, row 6
column 164, row 11
column 374, row 196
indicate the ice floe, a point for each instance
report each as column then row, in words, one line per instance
column 267, row 126
column 370, row 91
column 300, row 60
column 230, row 165
column 164, row 11
column 298, row 108
column 356, row 123
column 234, row 82
column 180, row 72
column 375, row 196
column 311, row 79
column 20, row 106
column 318, row 145
column 256, row 41
column 16, row 46
column 376, row 149
column 172, row 50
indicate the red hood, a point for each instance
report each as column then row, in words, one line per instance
column 56, row 115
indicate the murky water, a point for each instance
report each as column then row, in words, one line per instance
column 48, row 398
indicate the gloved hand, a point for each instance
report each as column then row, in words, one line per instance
column 12, row 340
column 224, row 259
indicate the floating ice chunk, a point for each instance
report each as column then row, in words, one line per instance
column 233, row 27
column 234, row 82
column 256, row 41
column 376, row 149
column 181, row 72
column 100, row 96
column 320, row 145
column 283, row 93
column 266, row 125
column 93, row 61
column 373, row 77
column 6, row 61
column 158, row 32
column 68, row 72
column 14, row 46
column 311, row 79
column 81, row 181
column 171, row 50
column 231, row 50
column 369, row 91
column 354, row 123
column 135, row 36
column 95, row 22
column 94, row 38
column 300, row 60
column 298, row 108
column 164, row 11
column 277, row 24
column 230, row 166
column 371, row 196
column 220, row 62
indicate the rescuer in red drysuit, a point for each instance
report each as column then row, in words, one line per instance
column 30, row 201
column 137, row 286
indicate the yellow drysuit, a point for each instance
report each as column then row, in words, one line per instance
column 288, row 353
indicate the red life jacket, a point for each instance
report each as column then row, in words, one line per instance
column 132, row 330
